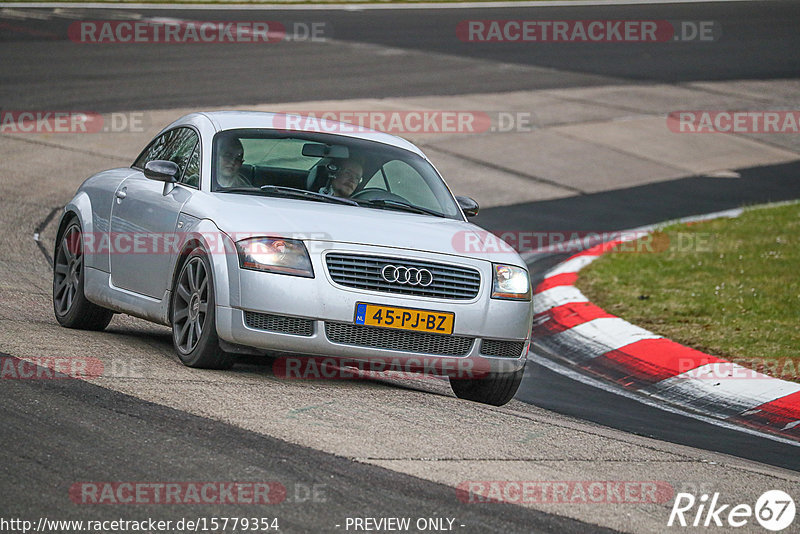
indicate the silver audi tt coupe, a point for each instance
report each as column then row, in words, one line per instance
column 246, row 235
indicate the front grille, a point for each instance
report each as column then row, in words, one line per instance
column 505, row 349
column 383, row 338
column 364, row 272
column 279, row 323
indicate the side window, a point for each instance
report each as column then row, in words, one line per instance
column 191, row 175
column 154, row 151
column 176, row 145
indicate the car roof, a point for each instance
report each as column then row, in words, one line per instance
column 233, row 120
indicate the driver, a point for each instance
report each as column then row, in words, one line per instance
column 229, row 163
column 345, row 180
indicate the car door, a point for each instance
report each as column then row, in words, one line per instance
column 144, row 219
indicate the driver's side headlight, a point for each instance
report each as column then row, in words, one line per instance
column 510, row 283
column 275, row 255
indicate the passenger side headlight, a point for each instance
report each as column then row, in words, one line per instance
column 510, row 283
column 275, row 255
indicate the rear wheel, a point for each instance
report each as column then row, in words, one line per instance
column 194, row 329
column 494, row 388
column 70, row 306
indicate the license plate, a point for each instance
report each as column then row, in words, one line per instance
column 405, row 318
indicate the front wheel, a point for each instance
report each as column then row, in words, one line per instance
column 495, row 388
column 71, row 308
column 194, row 329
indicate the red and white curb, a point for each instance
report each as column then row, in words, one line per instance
column 588, row 337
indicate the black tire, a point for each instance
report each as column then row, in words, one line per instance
column 193, row 309
column 70, row 306
column 494, row 388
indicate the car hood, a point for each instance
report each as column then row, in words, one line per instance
column 242, row 216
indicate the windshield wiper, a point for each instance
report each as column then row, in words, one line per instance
column 397, row 204
column 238, row 190
column 302, row 193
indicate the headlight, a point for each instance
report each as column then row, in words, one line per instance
column 275, row 255
column 510, row 283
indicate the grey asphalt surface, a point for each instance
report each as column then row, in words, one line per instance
column 642, row 205
column 41, row 67
column 79, row 430
column 59, row 432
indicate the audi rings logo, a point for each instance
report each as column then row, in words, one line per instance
column 407, row 275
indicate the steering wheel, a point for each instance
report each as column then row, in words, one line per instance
column 375, row 193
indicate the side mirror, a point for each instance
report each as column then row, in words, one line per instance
column 468, row 206
column 161, row 171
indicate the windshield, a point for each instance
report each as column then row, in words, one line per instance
column 372, row 174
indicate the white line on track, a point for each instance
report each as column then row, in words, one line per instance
column 610, row 388
column 7, row 13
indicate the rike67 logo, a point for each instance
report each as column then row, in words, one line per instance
column 774, row 510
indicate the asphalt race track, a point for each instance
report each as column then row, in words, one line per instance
column 763, row 45
column 206, row 450
column 371, row 448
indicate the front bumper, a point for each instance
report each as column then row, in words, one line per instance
column 326, row 310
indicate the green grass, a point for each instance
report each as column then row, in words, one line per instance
column 728, row 287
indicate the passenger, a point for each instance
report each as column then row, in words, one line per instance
column 346, row 178
column 229, row 163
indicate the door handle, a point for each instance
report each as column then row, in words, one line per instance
column 121, row 194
